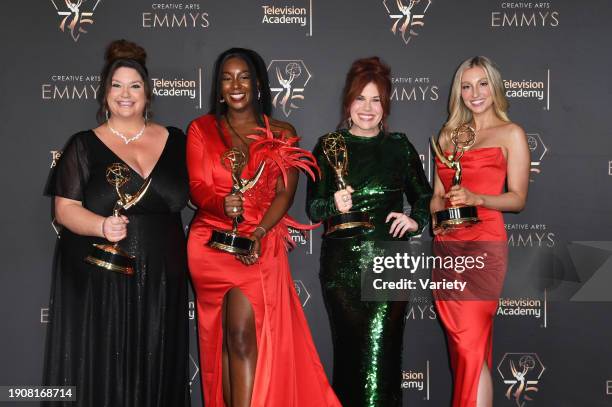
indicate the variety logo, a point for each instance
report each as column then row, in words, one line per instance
column 521, row 372
column 75, row 15
column 414, row 89
column 538, row 150
column 417, row 380
column 175, row 16
column 408, row 16
column 301, row 291
column 530, row 235
column 288, row 80
column 289, row 15
column 70, row 87
column 524, row 15
column 529, row 89
column 610, row 168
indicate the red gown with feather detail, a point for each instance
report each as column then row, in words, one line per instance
column 289, row 372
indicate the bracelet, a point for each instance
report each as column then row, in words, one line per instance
column 263, row 229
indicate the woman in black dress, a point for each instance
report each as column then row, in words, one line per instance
column 122, row 340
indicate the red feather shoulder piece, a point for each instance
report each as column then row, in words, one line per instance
column 284, row 153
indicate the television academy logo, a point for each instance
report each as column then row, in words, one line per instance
column 407, row 17
column 75, row 16
column 538, row 150
column 288, row 15
column 289, row 78
column 417, row 380
column 529, row 89
column 522, row 307
column 302, row 292
column 526, row 15
column 521, row 372
column 179, row 86
column 55, row 155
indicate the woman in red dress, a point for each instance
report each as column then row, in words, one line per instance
column 498, row 156
column 255, row 345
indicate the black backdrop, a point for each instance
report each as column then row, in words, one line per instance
column 555, row 59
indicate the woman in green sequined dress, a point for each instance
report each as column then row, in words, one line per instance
column 383, row 168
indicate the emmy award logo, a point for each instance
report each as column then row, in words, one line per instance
column 407, row 19
column 456, row 217
column 351, row 223
column 74, row 18
column 231, row 241
column 291, row 77
column 111, row 256
column 521, row 372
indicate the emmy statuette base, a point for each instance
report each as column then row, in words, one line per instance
column 349, row 224
column 230, row 242
column 111, row 257
column 458, row 217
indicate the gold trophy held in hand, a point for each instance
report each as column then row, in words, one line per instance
column 111, row 256
column 231, row 241
column 456, row 217
column 352, row 223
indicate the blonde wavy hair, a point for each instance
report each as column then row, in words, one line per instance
column 458, row 111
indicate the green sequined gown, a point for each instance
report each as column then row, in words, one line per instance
column 367, row 336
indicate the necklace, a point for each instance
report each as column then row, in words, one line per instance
column 244, row 143
column 127, row 140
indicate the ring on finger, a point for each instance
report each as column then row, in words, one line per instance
column 345, row 198
column 235, row 209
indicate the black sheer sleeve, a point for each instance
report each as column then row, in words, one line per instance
column 71, row 173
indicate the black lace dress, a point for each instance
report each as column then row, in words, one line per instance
column 121, row 340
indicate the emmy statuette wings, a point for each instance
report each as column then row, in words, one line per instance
column 111, row 256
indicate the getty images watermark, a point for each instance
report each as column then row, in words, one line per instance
column 453, row 270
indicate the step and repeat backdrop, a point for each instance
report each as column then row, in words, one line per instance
column 551, row 341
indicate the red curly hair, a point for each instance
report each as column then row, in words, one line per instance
column 362, row 72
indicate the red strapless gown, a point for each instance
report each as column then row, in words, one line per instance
column 289, row 372
column 468, row 318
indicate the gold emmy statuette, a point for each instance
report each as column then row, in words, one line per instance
column 231, row 241
column 111, row 256
column 456, row 217
column 351, row 223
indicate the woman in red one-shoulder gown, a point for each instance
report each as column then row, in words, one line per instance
column 255, row 345
column 498, row 157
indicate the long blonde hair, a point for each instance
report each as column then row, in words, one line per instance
column 458, row 112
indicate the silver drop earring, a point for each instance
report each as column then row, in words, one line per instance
column 258, row 94
column 106, row 114
column 349, row 121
